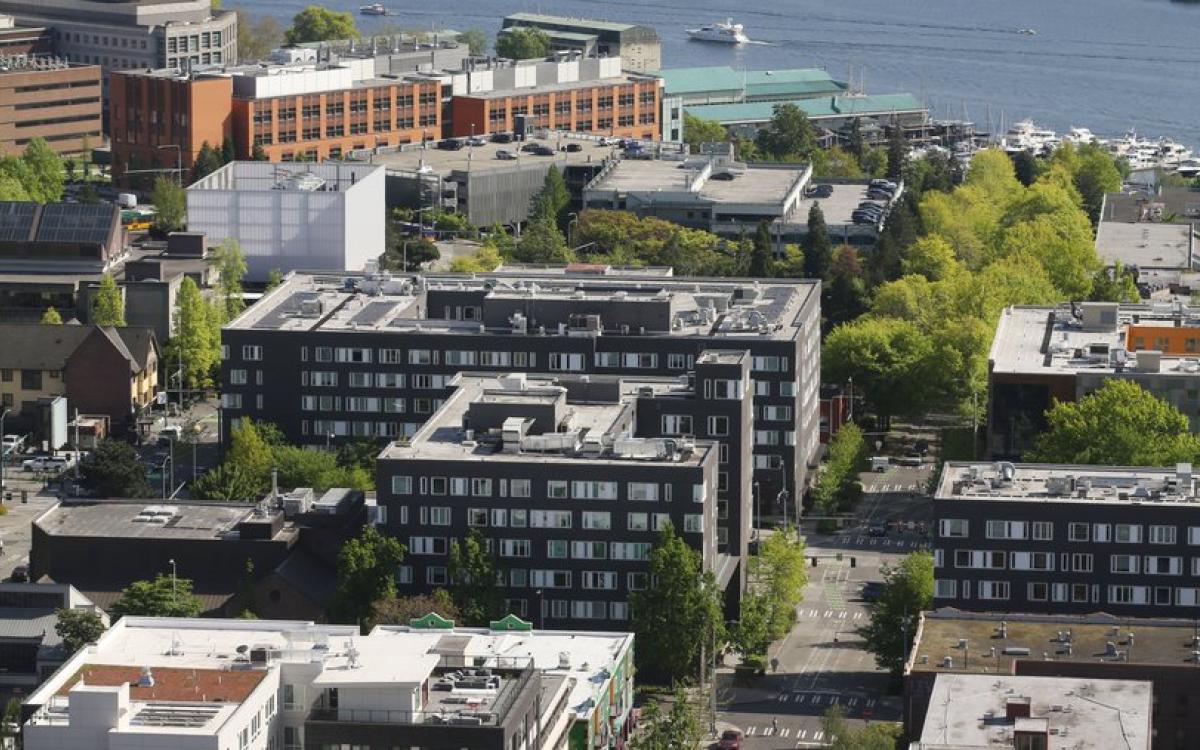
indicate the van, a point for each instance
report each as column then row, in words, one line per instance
column 880, row 463
column 172, row 431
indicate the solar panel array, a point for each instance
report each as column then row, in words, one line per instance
column 75, row 222
column 16, row 220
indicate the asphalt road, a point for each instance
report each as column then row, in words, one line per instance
column 821, row 662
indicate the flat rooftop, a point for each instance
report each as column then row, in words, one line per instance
column 1062, row 638
column 625, row 78
column 820, row 108
column 1090, row 485
column 723, row 78
column 435, row 161
column 838, row 208
column 969, row 711
column 681, row 180
column 1146, row 244
column 592, row 24
column 359, row 304
column 261, row 176
column 603, row 413
column 1057, row 340
column 1180, row 205
column 144, row 519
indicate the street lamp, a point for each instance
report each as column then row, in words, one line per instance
column 178, row 160
column 328, row 437
column 757, row 517
column 173, row 576
column 541, row 614
column 574, row 222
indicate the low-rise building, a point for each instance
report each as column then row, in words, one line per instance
column 988, row 712
column 100, row 370
column 1164, row 204
column 49, row 98
column 1100, row 651
column 833, row 112
column 1056, row 538
column 512, row 455
column 59, row 237
column 315, row 217
column 638, row 46
column 30, row 646
column 1160, row 255
column 1043, row 354
column 161, row 684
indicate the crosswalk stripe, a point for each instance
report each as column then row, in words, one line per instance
column 782, row 698
column 870, row 702
column 818, row 735
column 853, row 701
column 750, row 731
column 767, row 731
column 784, row 732
column 828, row 612
column 843, row 614
column 858, row 615
column 800, row 697
column 802, row 733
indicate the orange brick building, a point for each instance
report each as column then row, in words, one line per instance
column 1181, row 341
column 629, row 107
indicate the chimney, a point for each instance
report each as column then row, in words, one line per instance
column 1016, row 707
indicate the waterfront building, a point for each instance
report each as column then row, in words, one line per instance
column 46, row 97
column 321, row 217
column 833, row 112
column 160, row 684
column 638, row 46
column 1043, row 354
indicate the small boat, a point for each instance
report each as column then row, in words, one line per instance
column 374, row 9
column 725, row 31
column 1027, row 32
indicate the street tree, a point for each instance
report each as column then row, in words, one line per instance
column 698, row 131
column 843, row 736
column 843, row 298
column 11, row 188
column 1118, row 424
column 551, row 203
column 818, row 250
column 114, row 471
column 399, row 610
column 366, row 574
column 779, row 572
column 888, row 359
column 77, row 627
column 300, row 467
column 762, row 256
column 193, row 345
column 522, row 44
column 51, row 317
column 170, row 204
column 788, row 137
column 1115, row 284
column 907, row 591
column 165, row 596
column 476, row 40
column 486, row 258
column 678, row 614
column 680, row 727
column 108, row 309
column 230, row 264
column 835, row 163
column 319, row 24
column 472, row 572
column 838, row 487
column 750, row 635
column 250, row 452
column 227, row 483
column 542, row 242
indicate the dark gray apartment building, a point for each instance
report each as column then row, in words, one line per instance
column 340, row 357
column 571, row 479
column 1036, row 538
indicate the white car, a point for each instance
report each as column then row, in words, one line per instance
column 45, row 463
column 12, row 443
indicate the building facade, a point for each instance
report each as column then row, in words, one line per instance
column 638, row 46
column 321, row 342
column 1067, row 539
column 163, row 684
column 518, row 458
column 23, row 40
column 319, row 217
column 46, row 97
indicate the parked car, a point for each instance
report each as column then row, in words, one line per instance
column 877, row 529
column 574, row 147
column 477, row 140
column 530, row 148
column 45, row 463
column 543, row 150
column 885, row 184
column 731, row 739
column 912, row 458
column 502, row 137
column 505, row 155
column 871, row 591
column 820, row 191
column 450, row 144
column 606, row 141
column 879, row 195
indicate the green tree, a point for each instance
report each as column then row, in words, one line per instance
column 855, row 143
column 551, row 203
column 780, row 573
column 11, row 188
column 888, row 359
column 844, row 297
column 838, row 487
column 1119, row 424
column 165, row 596
column 678, row 614
column 842, row 736
column 366, row 574
column 697, row 131
column 818, row 250
column 835, row 163
column 318, row 24
column 257, row 153
column 170, row 205
column 750, row 636
column 907, row 591
column 88, row 195
column 485, row 259
column 1026, row 166
column 762, row 256
column 208, row 160
column 406, row 253
column 542, row 242
column 77, row 628
column 51, row 317
column 788, row 137
column 230, row 264
column 46, row 172
column 399, row 610
column 228, row 153
column 114, row 471
column 274, row 278
column 897, row 152
column 1115, row 284
column 522, row 44
column 300, row 467
column 257, row 35
column 476, row 40
column 250, row 452
column 473, row 573
column 932, row 257
column 681, row 727
column 108, row 309
column 193, row 344
column 1094, row 175
column 227, row 483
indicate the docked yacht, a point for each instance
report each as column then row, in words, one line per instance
column 726, row 32
column 1080, row 136
column 1025, row 136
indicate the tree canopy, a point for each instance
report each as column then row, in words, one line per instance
column 114, row 471
column 476, row 40
column 907, row 591
column 788, row 137
column 170, row 204
column 165, row 596
column 45, row 175
column 319, row 24
column 697, row 131
column 473, row 571
column 109, row 306
column 78, row 628
column 51, row 317
column 257, row 35
column 1119, row 424
column 522, row 43
column 399, row 610
column 366, row 574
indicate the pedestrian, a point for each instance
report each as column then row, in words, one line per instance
column 774, row 664
column 774, row 724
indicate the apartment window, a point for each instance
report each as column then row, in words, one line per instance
column 640, row 360
column 599, row 579
column 1127, row 594
column 495, row 359
column 777, row 413
column 1081, row 562
column 252, row 353
column 231, row 400
column 552, row 579
column 1187, row 597
column 952, row 527
column 556, row 548
column 589, row 610
column 768, row 364
column 556, row 489
column 594, row 490
column 1102, row 532
column 676, row 424
column 680, row 361
column 459, row 357
column 435, row 575
column 569, row 362
column 629, row 550
column 353, row 354
column 237, row 377
column 1162, row 565
column 438, row 515
column 1194, row 535
column 641, row 522
column 1043, row 530
column 943, row 588
column 589, row 550
column 420, row 357
column 1038, row 592
column 477, row 517
column 481, row 487
column 993, row 589
column 1124, row 563
column 514, row 548
column 642, row 491
column 1127, row 533
column 458, row 486
column 637, row 581
column 323, row 379
column 427, row 545
column 518, row 578
column 519, row 487
column 402, row 485
column 766, row 437
column 608, row 359
column 518, row 519
column 1078, row 532
column 596, row 520
column 1162, row 534
column 718, row 426
column 1032, row 561
column 499, row 517
column 725, row 390
column 1006, row 530
column 693, row 523
column 550, row 519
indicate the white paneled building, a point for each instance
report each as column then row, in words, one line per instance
column 293, row 216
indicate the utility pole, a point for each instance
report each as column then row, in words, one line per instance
column 78, row 450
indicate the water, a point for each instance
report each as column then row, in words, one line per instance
column 1110, row 65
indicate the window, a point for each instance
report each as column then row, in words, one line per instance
column 943, row 589
column 518, row 519
column 481, row 487
column 589, row 550
column 993, row 589
column 608, row 359
column 514, row 548
column 518, row 578
column 1187, row 597
column 564, row 361
column 1162, row 565
column 1194, row 535
column 1128, row 594
column 589, row 610
column 1124, row 563
column 952, row 527
column 237, row 377
column 1038, row 592
column 641, row 522
column 458, row 486
column 1128, row 533
column 1102, row 532
column 420, row 357
column 390, row 357
column 718, row 426
column 389, row 380
column 693, row 523
column 1162, row 534
column 353, row 354
column 556, row 548
column 427, row 545
column 457, row 357
column 360, row 380
column 618, row 610
column 599, row 579
column 596, row 520
column 1032, row 561
column 676, row 424
column 519, row 488
column 769, row 364
column 477, row 516
column 723, row 389
column 402, row 485
column 642, row 491
column 1078, row 532
column 1081, row 562
column 552, row 579
column 594, row 490
column 680, row 361
column 323, row 379
column 439, row 515
column 777, row 413
column 1006, row 530
column 550, row 519
column 629, row 550
column 499, row 517
column 231, row 400
column 640, row 360
column 659, row 521
column 435, row 575
column 1043, row 530
column 252, row 353
column 556, row 489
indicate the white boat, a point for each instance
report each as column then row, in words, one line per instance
column 1027, row 32
column 1080, row 136
column 725, row 31
column 374, row 9
column 1189, row 168
column 1025, row 136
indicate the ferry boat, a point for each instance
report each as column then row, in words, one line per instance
column 725, row 31
column 374, row 9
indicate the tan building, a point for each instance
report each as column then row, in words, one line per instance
column 44, row 97
column 100, row 370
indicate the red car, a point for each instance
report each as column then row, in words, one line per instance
column 731, row 739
